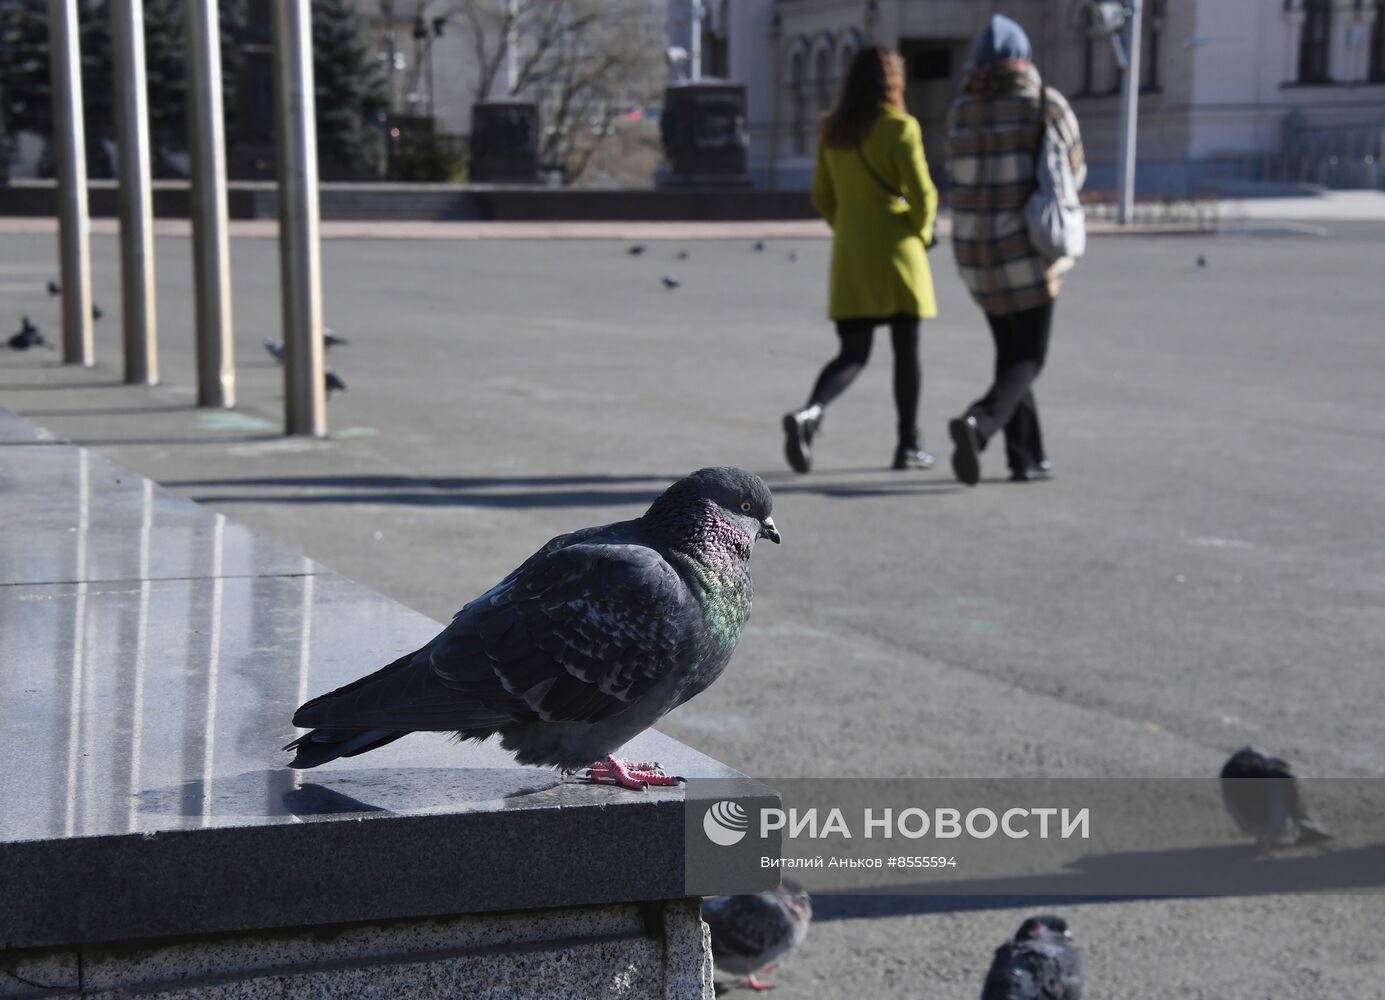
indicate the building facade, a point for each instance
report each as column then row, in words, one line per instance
column 1235, row 94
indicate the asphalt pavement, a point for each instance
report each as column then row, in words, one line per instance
column 1204, row 571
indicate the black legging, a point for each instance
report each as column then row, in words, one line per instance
column 1021, row 345
column 856, row 336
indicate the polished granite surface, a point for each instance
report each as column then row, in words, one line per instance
column 151, row 655
column 17, row 430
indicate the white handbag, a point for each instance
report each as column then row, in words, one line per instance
column 1053, row 214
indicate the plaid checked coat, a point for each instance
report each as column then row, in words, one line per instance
column 994, row 132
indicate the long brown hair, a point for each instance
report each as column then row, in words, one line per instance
column 863, row 91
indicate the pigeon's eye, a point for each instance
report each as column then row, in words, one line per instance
column 745, row 506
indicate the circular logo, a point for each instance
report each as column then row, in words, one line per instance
column 725, row 823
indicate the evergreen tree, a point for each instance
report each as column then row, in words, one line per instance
column 349, row 89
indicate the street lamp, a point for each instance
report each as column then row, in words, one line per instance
column 1108, row 17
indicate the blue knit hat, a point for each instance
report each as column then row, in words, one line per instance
column 1002, row 41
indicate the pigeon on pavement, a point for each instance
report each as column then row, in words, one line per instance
column 1039, row 963
column 333, row 382
column 759, row 245
column 671, row 283
column 275, row 349
column 28, row 336
column 635, row 250
column 97, row 312
column 682, row 255
column 1272, row 811
column 1201, row 261
column 54, row 288
column 752, row 932
column 330, row 339
column 584, row 646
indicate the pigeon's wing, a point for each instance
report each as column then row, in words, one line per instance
column 747, row 931
column 575, row 635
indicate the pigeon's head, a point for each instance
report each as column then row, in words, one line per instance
column 716, row 500
column 796, row 899
column 1043, row 927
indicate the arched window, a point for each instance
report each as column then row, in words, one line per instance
column 1377, row 69
column 798, row 99
column 1151, row 34
column 1315, row 42
column 847, row 48
column 822, row 77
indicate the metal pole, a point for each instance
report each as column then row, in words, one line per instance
column 140, row 328
column 211, row 249
column 695, row 42
column 70, row 159
column 511, row 40
column 1130, row 115
column 300, row 262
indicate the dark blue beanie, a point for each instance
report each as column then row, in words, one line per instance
column 1002, row 41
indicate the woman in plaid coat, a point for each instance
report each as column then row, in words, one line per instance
column 995, row 128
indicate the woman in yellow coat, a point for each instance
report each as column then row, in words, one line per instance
column 871, row 184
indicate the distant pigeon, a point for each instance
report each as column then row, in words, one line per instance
column 1270, row 809
column 579, row 650
column 793, row 255
column 333, row 382
column 96, row 311
column 329, row 340
column 1038, row 963
column 682, row 255
column 1201, row 261
column 671, row 283
column 759, row 245
column 54, row 288
column 635, row 250
column 28, row 336
column 751, row 932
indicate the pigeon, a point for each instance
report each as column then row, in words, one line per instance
column 1201, row 261
column 329, row 340
column 333, row 383
column 584, row 646
column 1271, row 811
column 635, row 250
column 1039, row 963
column 96, row 311
column 671, row 283
column 759, row 245
column 793, row 255
column 750, row 933
column 28, row 336
column 54, row 288
column 682, row 255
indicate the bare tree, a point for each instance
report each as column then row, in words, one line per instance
column 585, row 62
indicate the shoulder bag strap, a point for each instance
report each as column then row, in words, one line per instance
column 878, row 179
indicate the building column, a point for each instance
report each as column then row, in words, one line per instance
column 1293, row 29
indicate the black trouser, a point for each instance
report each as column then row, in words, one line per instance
column 1021, row 344
column 856, row 335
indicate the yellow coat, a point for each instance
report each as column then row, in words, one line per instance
column 878, row 263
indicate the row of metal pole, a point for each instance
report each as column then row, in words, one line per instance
column 299, row 256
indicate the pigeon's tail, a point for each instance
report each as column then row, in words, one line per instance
column 322, row 745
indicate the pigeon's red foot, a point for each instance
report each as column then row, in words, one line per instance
column 757, row 984
column 629, row 774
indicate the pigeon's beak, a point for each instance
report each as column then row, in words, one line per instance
column 768, row 530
